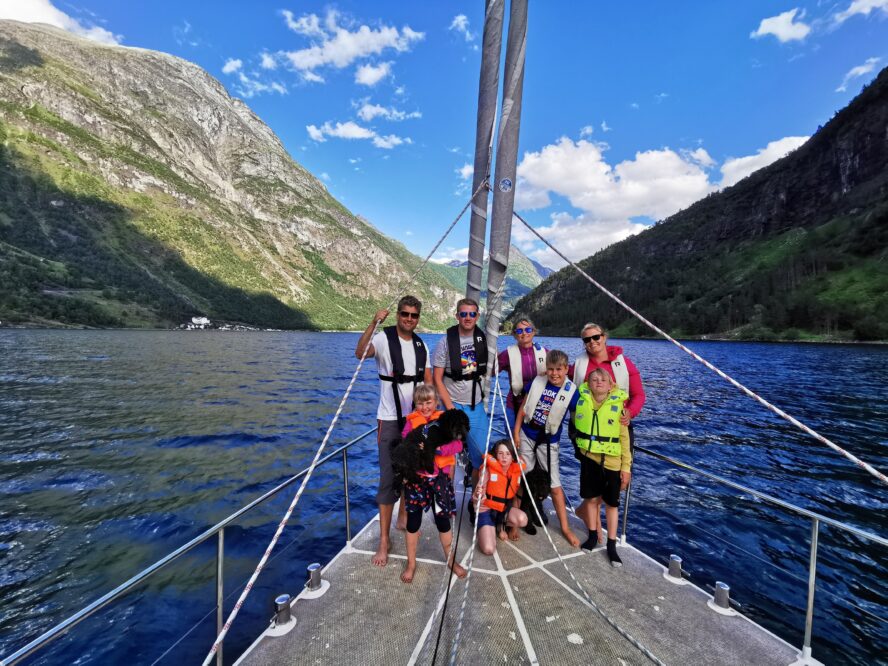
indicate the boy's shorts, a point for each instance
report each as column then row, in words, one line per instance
column 476, row 446
column 596, row 481
column 525, row 448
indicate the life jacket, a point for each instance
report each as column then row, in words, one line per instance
column 618, row 366
column 398, row 376
column 598, row 430
column 501, row 484
column 456, row 372
column 515, row 369
column 559, row 404
column 417, row 420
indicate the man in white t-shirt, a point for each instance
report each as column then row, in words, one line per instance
column 402, row 360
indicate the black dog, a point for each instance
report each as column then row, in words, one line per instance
column 416, row 452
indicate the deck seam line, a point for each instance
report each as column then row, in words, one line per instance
column 516, row 612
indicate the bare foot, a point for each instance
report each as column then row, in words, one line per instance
column 502, row 535
column 381, row 557
column 458, row 570
column 514, row 534
column 571, row 537
column 407, row 574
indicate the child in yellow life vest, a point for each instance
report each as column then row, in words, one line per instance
column 602, row 446
column 503, row 477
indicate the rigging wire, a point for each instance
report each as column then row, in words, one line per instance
column 314, row 462
column 835, row 447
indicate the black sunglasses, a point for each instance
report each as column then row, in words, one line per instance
column 519, row 331
column 463, row 315
column 590, row 338
column 409, row 315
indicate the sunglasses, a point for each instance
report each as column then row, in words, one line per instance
column 463, row 315
column 519, row 331
column 409, row 315
column 590, row 338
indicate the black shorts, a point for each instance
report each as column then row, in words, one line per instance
column 595, row 481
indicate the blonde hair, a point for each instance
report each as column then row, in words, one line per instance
column 424, row 393
column 602, row 372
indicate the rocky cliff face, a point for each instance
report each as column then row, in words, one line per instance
column 797, row 249
column 135, row 190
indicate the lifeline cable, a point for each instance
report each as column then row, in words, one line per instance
column 835, row 447
column 625, row 634
column 314, row 462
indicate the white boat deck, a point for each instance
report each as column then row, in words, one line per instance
column 522, row 608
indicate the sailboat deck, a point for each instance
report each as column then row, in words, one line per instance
column 522, row 608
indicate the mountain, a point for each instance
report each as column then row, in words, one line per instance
column 522, row 275
column 797, row 250
column 134, row 191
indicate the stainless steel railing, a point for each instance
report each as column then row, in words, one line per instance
column 217, row 530
column 816, row 520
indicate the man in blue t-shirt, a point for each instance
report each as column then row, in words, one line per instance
column 538, row 426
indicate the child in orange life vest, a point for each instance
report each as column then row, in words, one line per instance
column 425, row 400
column 503, row 475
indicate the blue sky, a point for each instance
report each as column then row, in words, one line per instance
column 630, row 114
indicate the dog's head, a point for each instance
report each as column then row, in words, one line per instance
column 454, row 424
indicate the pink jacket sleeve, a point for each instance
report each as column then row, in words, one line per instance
column 450, row 449
column 636, row 390
column 408, row 427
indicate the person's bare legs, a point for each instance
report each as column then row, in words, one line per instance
column 410, row 568
column 516, row 517
column 590, row 511
column 402, row 514
column 380, row 558
column 561, row 511
column 487, row 539
column 513, row 528
column 612, row 518
column 446, row 540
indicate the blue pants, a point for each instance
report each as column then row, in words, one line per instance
column 478, row 424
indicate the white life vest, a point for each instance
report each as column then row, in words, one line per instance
column 618, row 365
column 559, row 405
column 515, row 371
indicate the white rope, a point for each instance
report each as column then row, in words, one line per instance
column 481, row 478
column 314, row 462
column 776, row 410
column 625, row 634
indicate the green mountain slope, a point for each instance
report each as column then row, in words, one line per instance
column 796, row 250
column 134, row 191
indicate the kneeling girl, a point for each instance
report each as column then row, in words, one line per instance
column 503, row 477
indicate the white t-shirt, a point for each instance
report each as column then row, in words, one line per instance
column 387, row 411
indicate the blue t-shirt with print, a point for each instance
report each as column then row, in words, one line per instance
column 541, row 412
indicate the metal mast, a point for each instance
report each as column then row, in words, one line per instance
column 488, row 87
column 503, row 184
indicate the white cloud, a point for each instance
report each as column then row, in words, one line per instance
column 325, row 176
column 369, row 111
column 43, row 11
column 588, row 130
column 231, row 65
column 634, row 105
column 605, row 127
column 465, row 171
column 700, row 156
column 400, row 91
column 351, row 130
column 451, row 254
column 656, row 183
column 311, row 77
column 268, row 61
column 183, row 35
column 857, row 72
column 783, row 27
column 659, row 97
column 337, row 46
column 248, row 85
column 737, row 168
column 370, row 75
column 353, row 160
column 460, row 24
column 577, row 237
column 864, row 7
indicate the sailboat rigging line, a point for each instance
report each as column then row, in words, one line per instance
column 776, row 410
column 314, row 462
column 625, row 634
column 481, row 479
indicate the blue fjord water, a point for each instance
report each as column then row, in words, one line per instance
column 118, row 446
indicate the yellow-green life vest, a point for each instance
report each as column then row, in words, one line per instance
column 598, row 430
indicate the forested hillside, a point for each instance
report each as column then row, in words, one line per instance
column 797, row 250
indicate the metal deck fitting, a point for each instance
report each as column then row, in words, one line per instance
column 522, row 608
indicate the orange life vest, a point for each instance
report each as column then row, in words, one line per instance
column 501, row 485
column 417, row 420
